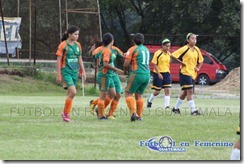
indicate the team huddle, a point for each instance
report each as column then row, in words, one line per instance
column 136, row 61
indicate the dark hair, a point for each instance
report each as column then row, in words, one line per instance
column 65, row 36
column 138, row 38
column 98, row 44
column 72, row 29
column 107, row 38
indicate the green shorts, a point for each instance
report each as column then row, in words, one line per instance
column 105, row 82
column 69, row 79
column 137, row 83
column 117, row 83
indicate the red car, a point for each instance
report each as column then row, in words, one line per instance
column 212, row 70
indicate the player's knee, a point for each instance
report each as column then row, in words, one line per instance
column 117, row 96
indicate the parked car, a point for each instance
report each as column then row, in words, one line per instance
column 212, row 70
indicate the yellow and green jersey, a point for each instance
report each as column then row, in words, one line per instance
column 191, row 57
column 69, row 56
column 162, row 60
column 139, row 57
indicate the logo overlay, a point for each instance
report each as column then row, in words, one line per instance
column 162, row 144
column 167, row 144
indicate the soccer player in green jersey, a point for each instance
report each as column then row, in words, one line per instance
column 68, row 62
column 116, row 53
column 191, row 56
column 105, row 74
column 138, row 57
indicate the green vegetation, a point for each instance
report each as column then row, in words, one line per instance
column 33, row 81
column 32, row 129
column 217, row 22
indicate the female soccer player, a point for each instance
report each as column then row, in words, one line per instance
column 68, row 62
column 116, row 53
column 138, row 57
column 191, row 56
column 161, row 76
column 105, row 74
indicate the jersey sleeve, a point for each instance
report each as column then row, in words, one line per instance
column 180, row 51
column 80, row 48
column 130, row 52
column 119, row 52
column 155, row 56
column 97, row 52
column 200, row 57
column 61, row 48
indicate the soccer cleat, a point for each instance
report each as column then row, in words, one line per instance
column 65, row 117
column 92, row 107
column 176, row 111
column 139, row 119
column 134, row 117
column 167, row 107
column 103, row 118
column 111, row 117
column 149, row 104
column 195, row 113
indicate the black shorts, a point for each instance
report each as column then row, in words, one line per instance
column 186, row 82
column 158, row 84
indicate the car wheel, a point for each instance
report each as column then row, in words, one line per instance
column 203, row 80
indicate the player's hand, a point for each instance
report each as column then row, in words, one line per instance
column 119, row 72
column 58, row 79
column 160, row 76
column 196, row 69
column 84, row 76
column 92, row 49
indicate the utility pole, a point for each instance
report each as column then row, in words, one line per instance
column 30, row 34
column 60, row 20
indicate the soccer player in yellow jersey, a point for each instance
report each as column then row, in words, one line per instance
column 161, row 74
column 191, row 56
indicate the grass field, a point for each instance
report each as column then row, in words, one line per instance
column 32, row 129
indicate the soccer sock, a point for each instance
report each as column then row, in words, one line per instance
column 166, row 101
column 94, row 102
column 131, row 102
column 113, row 107
column 107, row 101
column 139, row 107
column 235, row 154
column 178, row 103
column 100, row 106
column 151, row 98
column 192, row 105
column 68, row 105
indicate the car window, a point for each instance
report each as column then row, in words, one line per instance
column 207, row 60
column 173, row 61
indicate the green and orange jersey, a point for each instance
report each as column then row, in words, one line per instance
column 139, row 57
column 191, row 57
column 69, row 56
column 101, row 53
column 162, row 60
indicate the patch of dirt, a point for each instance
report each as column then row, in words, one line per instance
column 11, row 72
column 230, row 82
